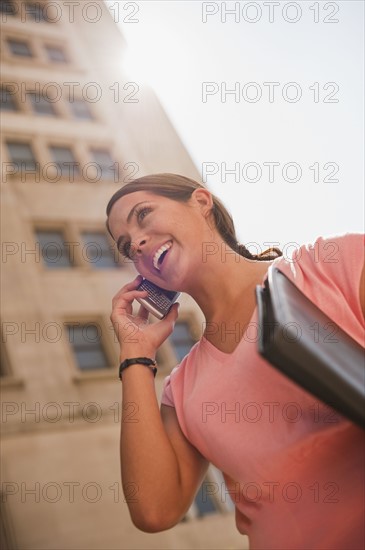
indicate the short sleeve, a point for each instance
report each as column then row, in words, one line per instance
column 328, row 272
column 339, row 259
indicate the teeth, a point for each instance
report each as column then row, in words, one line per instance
column 157, row 255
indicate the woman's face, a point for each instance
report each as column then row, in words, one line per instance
column 161, row 236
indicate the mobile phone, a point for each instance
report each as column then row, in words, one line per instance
column 159, row 301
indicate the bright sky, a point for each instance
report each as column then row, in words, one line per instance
column 283, row 150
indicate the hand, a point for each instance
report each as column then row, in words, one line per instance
column 136, row 336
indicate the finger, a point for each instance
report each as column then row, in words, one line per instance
column 164, row 328
column 129, row 286
column 172, row 315
column 173, row 312
column 124, row 301
column 143, row 313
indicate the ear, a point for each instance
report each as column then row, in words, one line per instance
column 204, row 200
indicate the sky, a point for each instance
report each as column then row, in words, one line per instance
column 267, row 97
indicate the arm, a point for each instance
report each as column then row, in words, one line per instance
column 157, row 462
column 362, row 291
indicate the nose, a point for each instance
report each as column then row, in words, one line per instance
column 141, row 244
column 137, row 245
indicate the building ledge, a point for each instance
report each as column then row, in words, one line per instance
column 102, row 374
column 11, row 382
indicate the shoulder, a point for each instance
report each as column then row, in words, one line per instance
column 334, row 256
column 328, row 271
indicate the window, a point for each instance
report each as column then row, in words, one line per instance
column 7, row 534
column 7, row 102
column 204, row 500
column 87, row 347
column 4, row 362
column 181, row 339
column 55, row 253
column 55, row 53
column 65, row 161
column 41, row 104
column 213, row 496
column 19, row 47
column 36, row 11
column 80, row 109
column 21, row 155
column 98, row 251
column 106, row 165
column 7, row 7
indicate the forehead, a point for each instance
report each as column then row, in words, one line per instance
column 121, row 208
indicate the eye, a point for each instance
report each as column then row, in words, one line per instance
column 125, row 250
column 142, row 212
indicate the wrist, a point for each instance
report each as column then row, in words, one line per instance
column 145, row 361
column 136, row 352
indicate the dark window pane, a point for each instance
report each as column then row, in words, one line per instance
column 4, row 361
column 36, row 11
column 56, row 54
column 182, row 349
column 8, row 7
column 41, row 104
column 87, row 347
column 92, row 358
column 65, row 161
column 21, row 155
column 19, row 47
column 181, row 340
column 80, row 109
column 181, row 332
column 98, row 251
column 85, row 335
column 53, row 249
column 106, row 165
column 204, row 501
column 7, row 102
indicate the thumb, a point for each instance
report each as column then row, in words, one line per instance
column 173, row 313
column 164, row 328
column 171, row 317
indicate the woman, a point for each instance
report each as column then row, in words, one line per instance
column 293, row 467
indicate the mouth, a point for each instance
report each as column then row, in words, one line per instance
column 160, row 255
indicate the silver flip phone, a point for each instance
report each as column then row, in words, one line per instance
column 159, row 301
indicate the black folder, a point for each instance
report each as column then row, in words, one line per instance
column 300, row 340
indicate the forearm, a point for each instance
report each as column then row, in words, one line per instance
column 150, row 469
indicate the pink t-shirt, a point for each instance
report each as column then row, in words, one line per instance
column 293, row 467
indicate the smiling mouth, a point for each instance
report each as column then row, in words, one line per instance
column 160, row 255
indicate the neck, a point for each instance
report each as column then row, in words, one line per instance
column 224, row 287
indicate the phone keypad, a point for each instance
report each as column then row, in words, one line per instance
column 155, row 297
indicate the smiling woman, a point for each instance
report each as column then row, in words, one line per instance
column 284, row 455
column 180, row 188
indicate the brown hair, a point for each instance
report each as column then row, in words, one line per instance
column 180, row 188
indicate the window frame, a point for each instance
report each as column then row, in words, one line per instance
column 53, row 112
column 80, row 101
column 74, row 171
column 62, row 229
column 14, row 40
column 20, row 141
column 109, row 348
column 47, row 47
column 14, row 8
column 14, row 99
column 213, row 475
column 183, row 319
column 39, row 16
column 96, row 229
column 8, row 377
column 102, row 149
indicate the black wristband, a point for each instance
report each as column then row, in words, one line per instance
column 151, row 363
